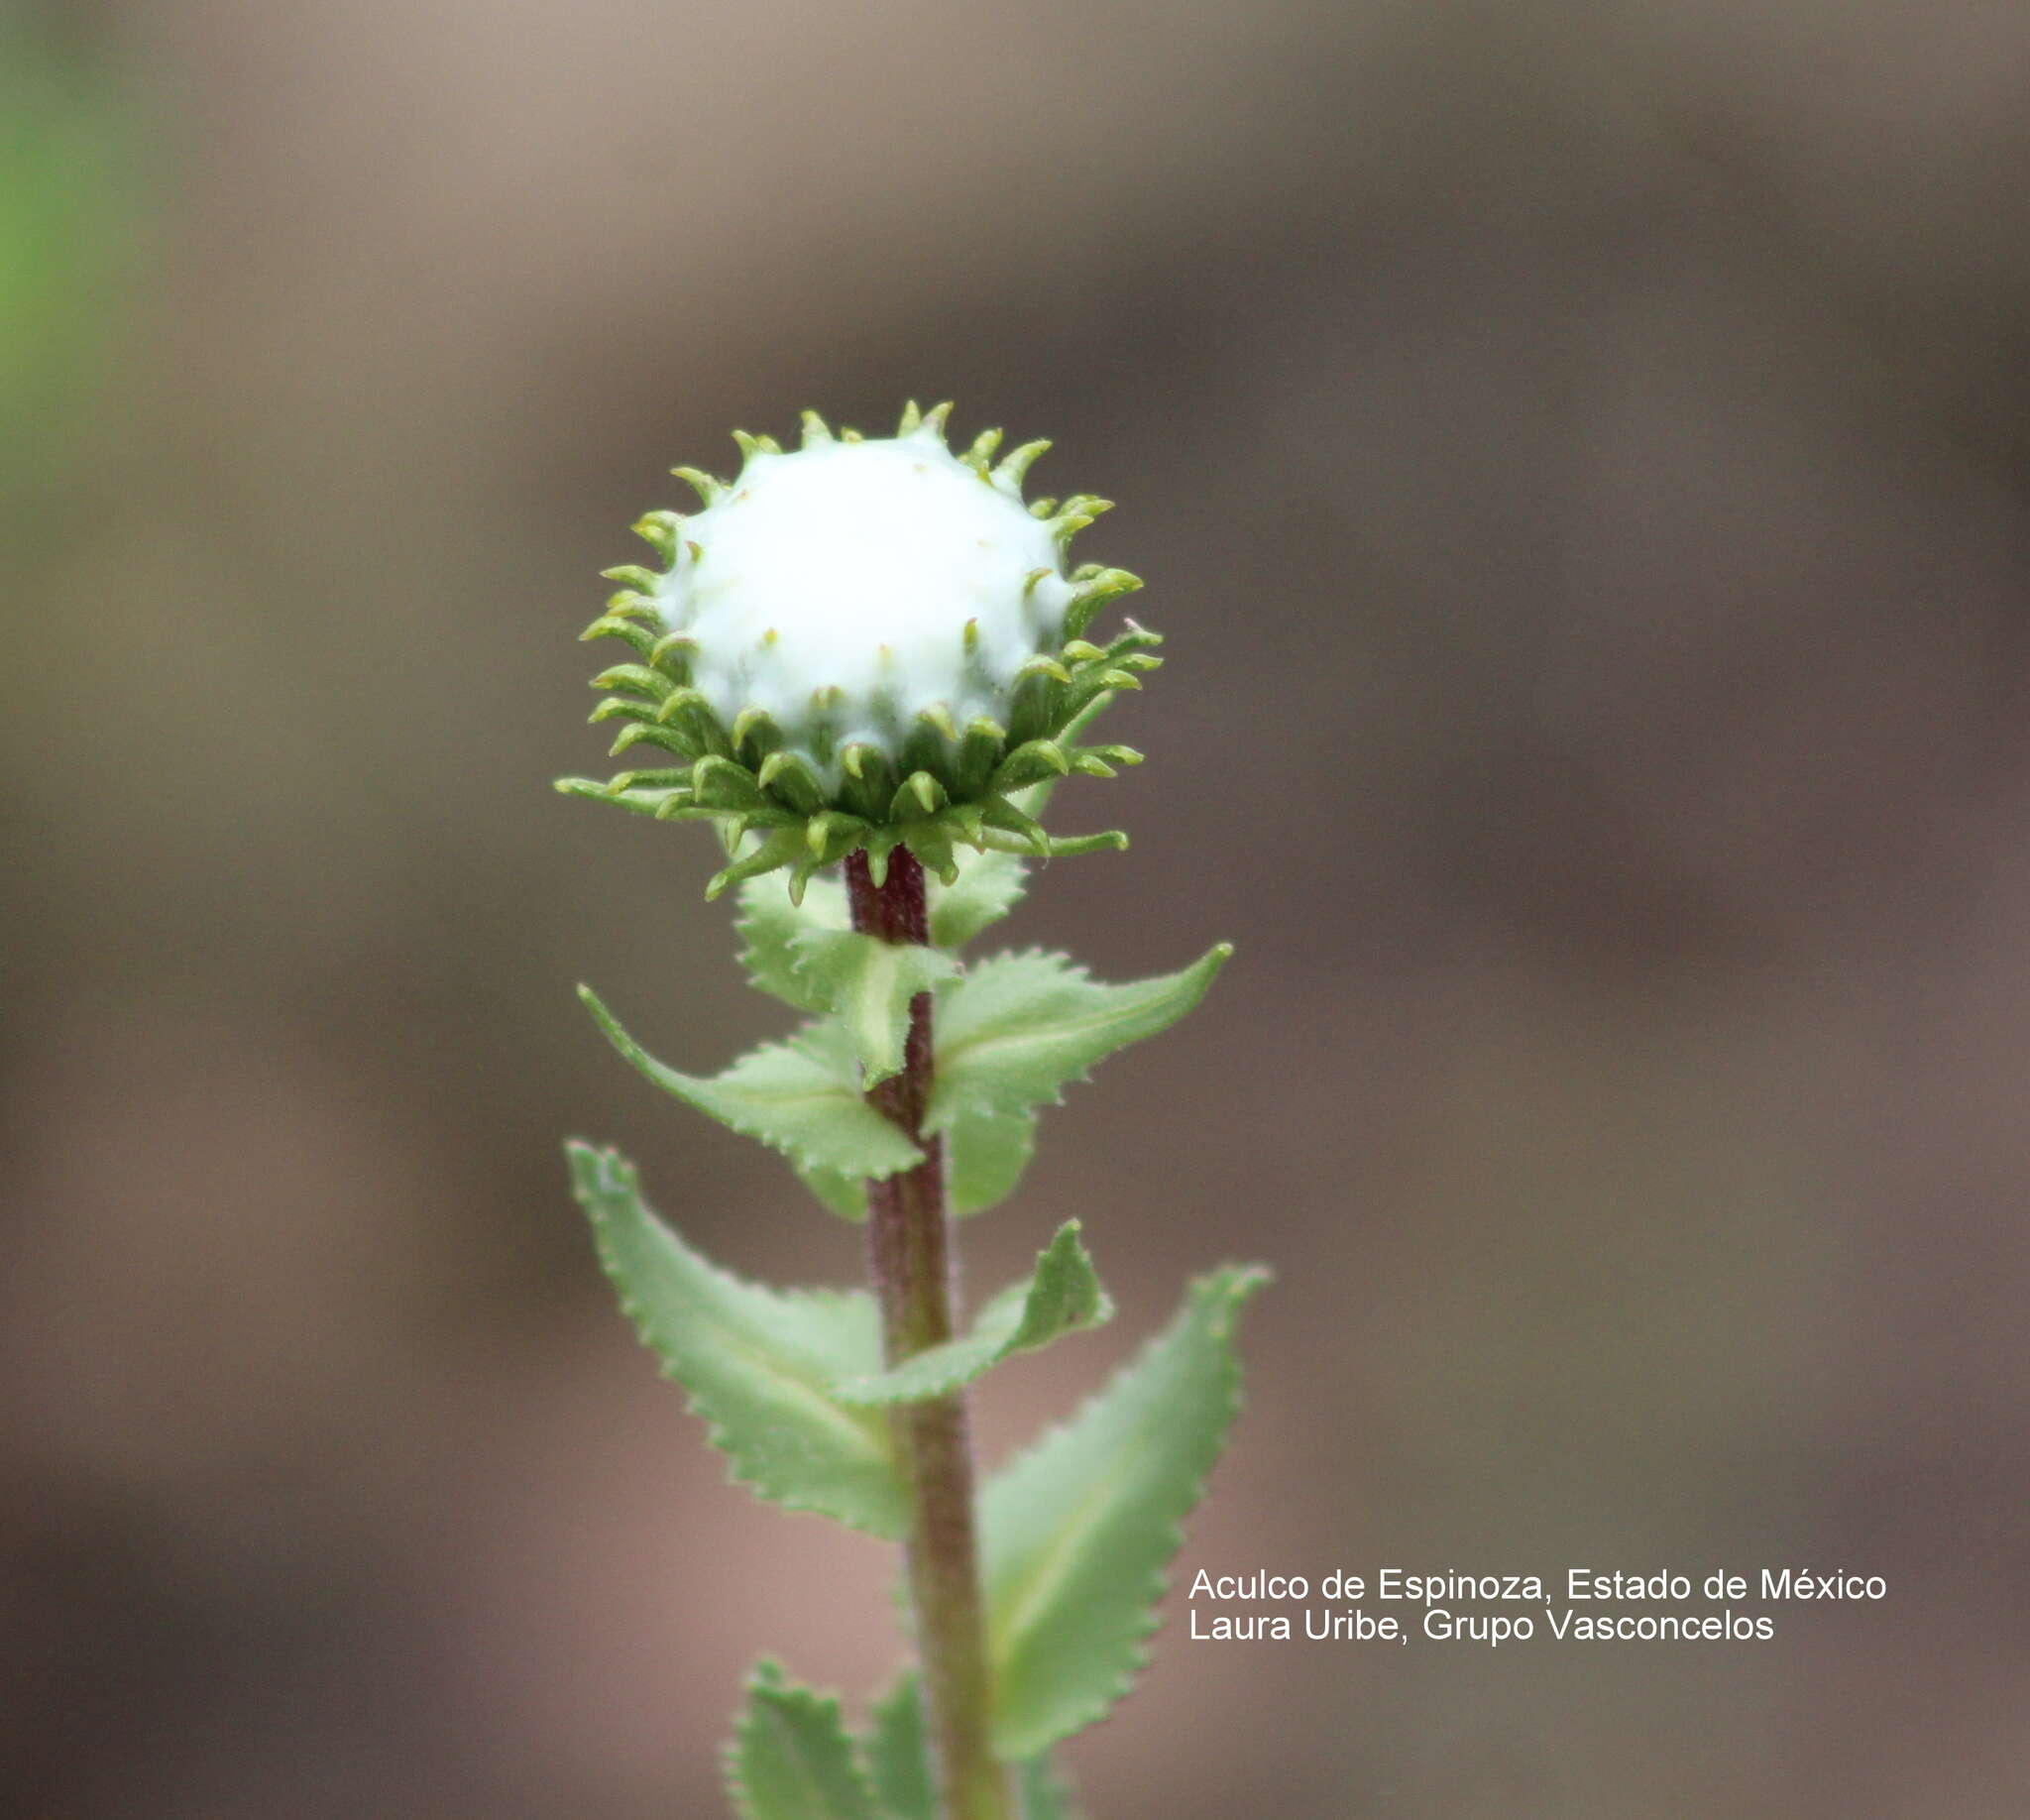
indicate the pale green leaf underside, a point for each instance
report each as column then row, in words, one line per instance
column 846, row 1195
column 758, row 1363
column 808, row 957
column 770, row 924
column 801, row 1097
column 1078, row 1533
column 1017, row 1027
column 989, row 887
column 1062, row 1297
column 986, row 1154
column 1040, row 1794
column 867, row 984
column 899, row 1754
column 791, row 1757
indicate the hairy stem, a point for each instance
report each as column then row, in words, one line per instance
column 910, row 1259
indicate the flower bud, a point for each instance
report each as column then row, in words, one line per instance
column 859, row 644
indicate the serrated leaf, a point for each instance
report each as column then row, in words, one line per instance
column 758, row 1363
column 1017, row 1027
column 791, row 1757
column 801, row 1097
column 867, row 984
column 769, row 924
column 986, row 1154
column 1041, row 1793
column 846, row 1195
column 808, row 957
column 989, row 887
column 1062, row 1296
column 898, row 1752
column 1076, row 1533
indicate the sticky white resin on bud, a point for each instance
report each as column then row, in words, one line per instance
column 853, row 585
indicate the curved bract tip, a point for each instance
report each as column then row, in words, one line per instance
column 802, row 746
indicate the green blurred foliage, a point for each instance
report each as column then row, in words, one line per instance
column 67, row 220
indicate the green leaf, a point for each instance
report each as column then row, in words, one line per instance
column 899, row 1754
column 868, row 984
column 758, row 1363
column 986, row 1154
column 1078, row 1533
column 989, row 885
column 791, row 1760
column 1062, row 1297
column 1017, row 1027
column 802, row 1098
column 1040, row 1793
column 770, row 924
column 846, row 1195
column 71, row 190
column 808, row 957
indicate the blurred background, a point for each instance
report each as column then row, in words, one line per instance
column 1578, row 456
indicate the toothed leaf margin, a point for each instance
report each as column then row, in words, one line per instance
column 1078, row 1532
column 791, row 1757
column 801, row 1097
column 758, row 1363
column 1019, row 1027
column 1062, row 1296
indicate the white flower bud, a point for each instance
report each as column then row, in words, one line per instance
column 859, row 583
column 864, row 646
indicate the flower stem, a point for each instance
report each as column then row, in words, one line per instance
column 911, row 1262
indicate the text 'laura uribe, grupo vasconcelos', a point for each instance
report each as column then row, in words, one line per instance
column 1448, row 1606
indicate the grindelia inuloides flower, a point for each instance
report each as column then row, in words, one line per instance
column 862, row 643
column 874, row 651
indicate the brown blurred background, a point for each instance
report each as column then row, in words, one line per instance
column 1579, row 457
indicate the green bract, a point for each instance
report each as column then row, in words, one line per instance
column 862, row 643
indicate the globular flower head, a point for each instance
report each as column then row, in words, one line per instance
column 862, row 643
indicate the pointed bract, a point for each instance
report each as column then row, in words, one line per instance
column 948, row 771
column 1017, row 463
